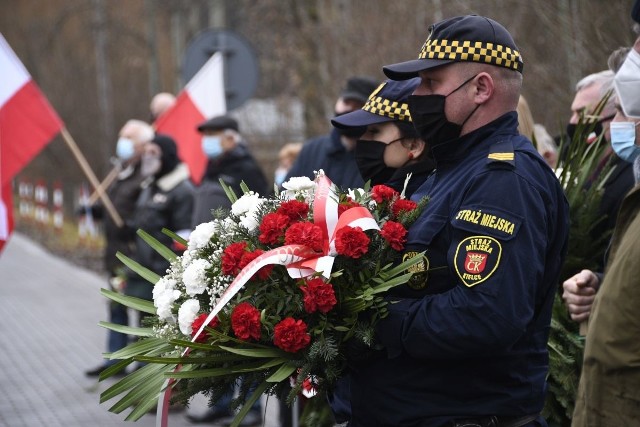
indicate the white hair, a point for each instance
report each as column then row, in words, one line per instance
column 138, row 131
column 161, row 102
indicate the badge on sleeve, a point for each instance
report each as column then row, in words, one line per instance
column 420, row 271
column 477, row 258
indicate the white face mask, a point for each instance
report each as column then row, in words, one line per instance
column 125, row 149
column 623, row 140
column 150, row 164
column 627, row 84
column 212, row 146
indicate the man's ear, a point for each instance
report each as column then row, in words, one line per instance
column 484, row 87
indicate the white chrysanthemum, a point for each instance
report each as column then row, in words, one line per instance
column 245, row 203
column 164, row 304
column 299, row 183
column 187, row 313
column 194, row 277
column 163, row 285
column 164, row 295
column 250, row 219
column 187, row 257
column 298, row 187
column 200, row 237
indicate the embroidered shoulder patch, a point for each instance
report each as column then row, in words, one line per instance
column 477, row 258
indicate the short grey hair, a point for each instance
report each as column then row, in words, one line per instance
column 605, row 80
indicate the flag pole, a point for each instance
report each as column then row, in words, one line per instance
column 82, row 161
column 106, row 183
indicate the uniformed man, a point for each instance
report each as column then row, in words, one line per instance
column 466, row 339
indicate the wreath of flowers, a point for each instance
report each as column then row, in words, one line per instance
column 278, row 288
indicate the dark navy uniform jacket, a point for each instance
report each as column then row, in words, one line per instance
column 468, row 335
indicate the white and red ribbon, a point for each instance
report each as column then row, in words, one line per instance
column 301, row 261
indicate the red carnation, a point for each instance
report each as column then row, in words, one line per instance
column 382, row 193
column 272, row 228
column 345, row 206
column 403, row 205
column 291, row 335
column 304, row 233
column 318, row 296
column 395, row 234
column 197, row 323
column 232, row 258
column 264, row 272
column 294, row 210
column 352, row 242
column 245, row 321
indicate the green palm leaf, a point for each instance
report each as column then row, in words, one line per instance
column 144, row 272
column 131, row 302
column 160, row 248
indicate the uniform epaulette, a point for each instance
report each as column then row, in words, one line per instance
column 501, row 153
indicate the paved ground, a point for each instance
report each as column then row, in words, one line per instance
column 50, row 310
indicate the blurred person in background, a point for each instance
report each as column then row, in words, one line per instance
column 589, row 93
column 160, row 104
column 286, row 157
column 123, row 192
column 166, row 201
column 334, row 152
column 590, row 90
column 608, row 394
column 536, row 133
column 580, row 290
column 546, row 145
column 229, row 157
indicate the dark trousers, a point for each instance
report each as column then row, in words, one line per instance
column 116, row 340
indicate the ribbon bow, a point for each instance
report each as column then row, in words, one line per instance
column 325, row 215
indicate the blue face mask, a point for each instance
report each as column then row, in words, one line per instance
column 125, row 149
column 211, row 146
column 623, row 140
column 279, row 176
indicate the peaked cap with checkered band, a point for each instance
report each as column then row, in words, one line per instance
column 463, row 38
column 385, row 104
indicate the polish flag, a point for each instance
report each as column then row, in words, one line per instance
column 202, row 98
column 27, row 124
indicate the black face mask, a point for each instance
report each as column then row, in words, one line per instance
column 597, row 129
column 430, row 120
column 370, row 159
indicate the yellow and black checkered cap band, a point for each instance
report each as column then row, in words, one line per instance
column 457, row 50
column 387, row 108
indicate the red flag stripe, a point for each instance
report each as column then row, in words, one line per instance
column 27, row 124
column 180, row 123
